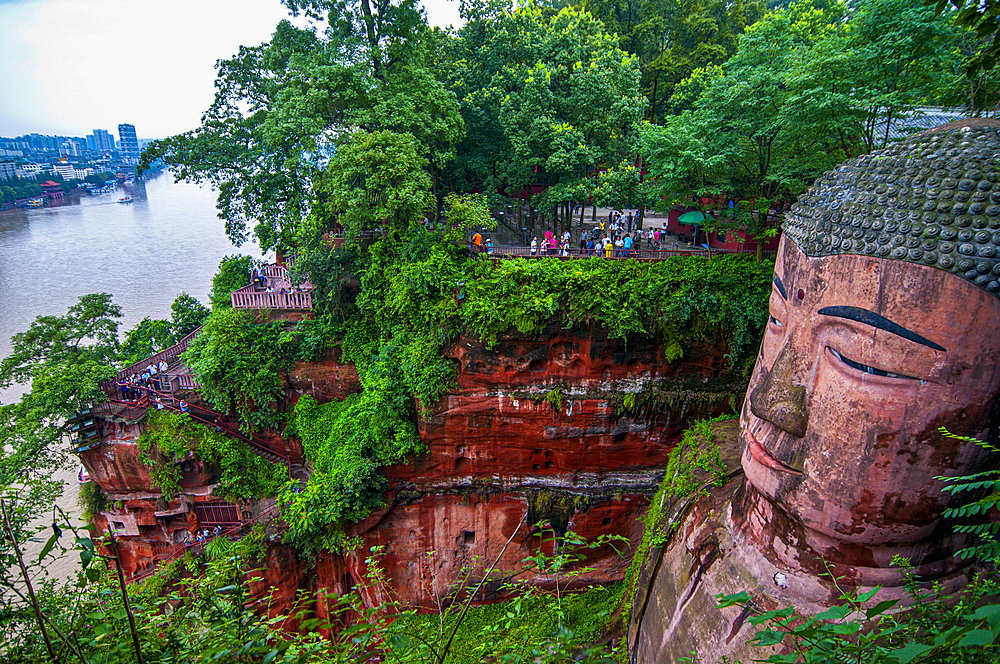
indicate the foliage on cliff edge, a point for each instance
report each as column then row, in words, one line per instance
column 418, row 292
column 168, row 438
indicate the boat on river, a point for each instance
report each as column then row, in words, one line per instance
column 35, row 203
column 125, row 199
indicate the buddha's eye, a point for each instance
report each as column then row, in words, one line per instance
column 775, row 321
column 867, row 369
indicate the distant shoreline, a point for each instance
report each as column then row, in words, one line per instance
column 21, row 201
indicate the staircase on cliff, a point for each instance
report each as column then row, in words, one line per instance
column 163, row 395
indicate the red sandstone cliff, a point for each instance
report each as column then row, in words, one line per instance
column 499, row 451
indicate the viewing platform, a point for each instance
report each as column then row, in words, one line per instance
column 278, row 292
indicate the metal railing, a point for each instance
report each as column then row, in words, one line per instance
column 213, row 419
column 126, row 410
column 617, row 254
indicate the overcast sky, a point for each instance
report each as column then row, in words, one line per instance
column 72, row 66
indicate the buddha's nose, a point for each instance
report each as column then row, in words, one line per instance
column 779, row 399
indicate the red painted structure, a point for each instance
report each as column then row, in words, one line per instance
column 52, row 189
column 735, row 242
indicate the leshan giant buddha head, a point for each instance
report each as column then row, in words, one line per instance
column 884, row 326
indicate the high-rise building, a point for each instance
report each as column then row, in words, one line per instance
column 104, row 139
column 69, row 148
column 129, row 144
column 92, row 143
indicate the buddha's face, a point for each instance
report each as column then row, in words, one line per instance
column 863, row 360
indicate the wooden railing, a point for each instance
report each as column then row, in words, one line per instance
column 250, row 298
column 234, row 533
column 126, row 410
column 276, row 271
column 169, row 355
column 184, row 382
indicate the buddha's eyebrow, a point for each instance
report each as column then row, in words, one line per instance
column 781, row 287
column 871, row 318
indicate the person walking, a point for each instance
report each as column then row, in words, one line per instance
column 477, row 242
column 608, row 247
column 534, row 245
column 627, row 244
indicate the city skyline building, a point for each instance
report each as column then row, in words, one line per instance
column 104, row 140
column 128, row 142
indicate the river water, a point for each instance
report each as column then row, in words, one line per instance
column 143, row 253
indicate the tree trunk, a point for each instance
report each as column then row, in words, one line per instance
column 372, row 39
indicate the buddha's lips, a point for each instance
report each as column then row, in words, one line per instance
column 763, row 457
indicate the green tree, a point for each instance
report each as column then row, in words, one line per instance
column 979, row 17
column 547, row 97
column 901, row 50
column 378, row 182
column 674, row 38
column 240, row 366
column 281, row 108
column 149, row 336
column 63, row 360
column 810, row 86
column 684, row 165
column 233, row 274
column 186, row 314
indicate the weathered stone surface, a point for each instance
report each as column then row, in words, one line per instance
column 872, row 349
column 326, row 380
column 468, row 531
column 116, row 465
column 498, row 454
column 847, row 456
column 584, row 358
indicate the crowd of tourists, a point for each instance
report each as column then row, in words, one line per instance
column 617, row 236
column 201, row 536
column 131, row 387
column 613, row 238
